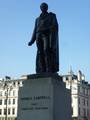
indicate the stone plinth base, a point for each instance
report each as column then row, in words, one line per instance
column 44, row 97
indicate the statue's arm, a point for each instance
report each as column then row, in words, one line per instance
column 33, row 35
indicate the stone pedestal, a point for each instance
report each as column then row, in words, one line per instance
column 44, row 97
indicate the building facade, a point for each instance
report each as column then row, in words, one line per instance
column 80, row 95
column 9, row 98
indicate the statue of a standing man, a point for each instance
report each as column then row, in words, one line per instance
column 46, row 36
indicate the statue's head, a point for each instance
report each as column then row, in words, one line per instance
column 44, row 7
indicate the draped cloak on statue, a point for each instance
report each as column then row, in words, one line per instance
column 49, row 25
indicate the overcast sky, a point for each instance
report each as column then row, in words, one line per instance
column 17, row 19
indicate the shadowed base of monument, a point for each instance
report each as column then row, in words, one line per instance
column 44, row 97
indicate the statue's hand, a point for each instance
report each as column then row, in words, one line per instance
column 29, row 44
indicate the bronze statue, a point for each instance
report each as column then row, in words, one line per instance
column 46, row 36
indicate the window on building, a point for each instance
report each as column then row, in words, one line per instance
column 84, row 91
column 9, row 111
column 5, row 111
column 14, row 83
column 0, row 101
column 0, row 111
column 72, row 110
column 13, row 101
column 0, row 93
column 83, row 101
column 87, row 102
column 9, row 101
column 20, row 83
column 87, row 91
column 13, row 111
column 9, row 93
column 87, row 112
column 66, row 78
column 5, row 101
column 84, row 112
column 79, row 110
column 79, row 100
column 79, row 89
column 14, row 92
column 5, row 93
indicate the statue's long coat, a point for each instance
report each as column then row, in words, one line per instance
column 54, row 55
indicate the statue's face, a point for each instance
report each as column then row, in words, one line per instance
column 44, row 7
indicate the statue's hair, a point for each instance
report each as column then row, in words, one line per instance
column 44, row 4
